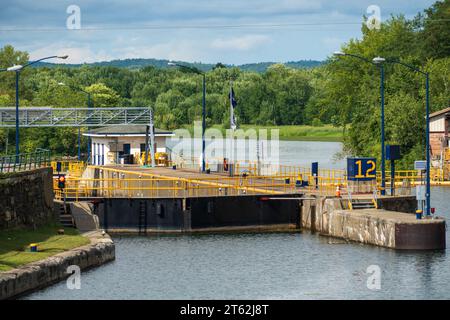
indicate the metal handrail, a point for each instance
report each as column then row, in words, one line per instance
column 25, row 161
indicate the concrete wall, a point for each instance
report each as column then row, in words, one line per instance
column 43, row 273
column 406, row 204
column 392, row 229
column 26, row 198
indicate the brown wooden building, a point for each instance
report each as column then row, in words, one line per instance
column 439, row 133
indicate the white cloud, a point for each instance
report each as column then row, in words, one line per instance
column 172, row 50
column 314, row 39
column 76, row 54
column 243, row 43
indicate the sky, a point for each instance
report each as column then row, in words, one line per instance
column 209, row 31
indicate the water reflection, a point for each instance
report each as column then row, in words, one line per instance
column 265, row 266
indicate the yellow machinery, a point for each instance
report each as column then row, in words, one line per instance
column 161, row 158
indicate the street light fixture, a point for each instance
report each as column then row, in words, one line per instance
column 197, row 71
column 427, row 107
column 378, row 61
column 17, row 69
column 79, row 129
column 338, row 53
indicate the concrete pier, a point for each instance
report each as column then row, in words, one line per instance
column 391, row 229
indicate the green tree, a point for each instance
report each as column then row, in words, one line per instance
column 434, row 35
column 103, row 96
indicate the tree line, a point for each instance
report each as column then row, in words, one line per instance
column 343, row 92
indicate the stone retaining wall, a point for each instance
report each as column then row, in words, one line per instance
column 26, row 198
column 43, row 273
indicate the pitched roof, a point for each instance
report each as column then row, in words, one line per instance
column 440, row 112
column 127, row 130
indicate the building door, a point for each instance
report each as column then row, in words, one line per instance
column 142, row 147
column 126, row 148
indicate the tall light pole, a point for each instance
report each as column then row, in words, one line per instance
column 427, row 130
column 79, row 131
column 379, row 63
column 17, row 69
column 197, row 71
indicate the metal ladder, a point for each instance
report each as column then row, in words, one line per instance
column 142, row 225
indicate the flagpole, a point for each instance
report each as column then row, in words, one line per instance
column 258, row 159
column 230, row 96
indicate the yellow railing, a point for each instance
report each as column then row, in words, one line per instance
column 436, row 175
column 113, row 182
column 285, row 170
column 72, row 168
column 145, row 185
column 326, row 185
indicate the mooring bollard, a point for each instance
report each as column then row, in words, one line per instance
column 419, row 214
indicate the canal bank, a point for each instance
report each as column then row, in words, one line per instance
column 43, row 273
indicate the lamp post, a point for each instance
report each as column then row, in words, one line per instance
column 197, row 71
column 89, row 106
column 17, row 69
column 377, row 62
column 427, row 130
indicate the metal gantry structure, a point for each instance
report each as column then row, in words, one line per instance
column 74, row 117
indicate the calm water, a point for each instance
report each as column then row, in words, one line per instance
column 264, row 266
column 301, row 153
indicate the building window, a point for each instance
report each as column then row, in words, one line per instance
column 97, row 150
column 94, row 153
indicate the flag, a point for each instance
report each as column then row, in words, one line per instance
column 233, row 105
